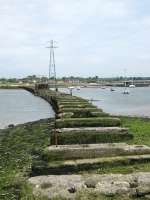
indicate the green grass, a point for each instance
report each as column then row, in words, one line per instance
column 140, row 127
column 125, row 169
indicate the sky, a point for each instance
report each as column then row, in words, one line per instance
column 94, row 37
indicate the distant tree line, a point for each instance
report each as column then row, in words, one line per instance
column 94, row 79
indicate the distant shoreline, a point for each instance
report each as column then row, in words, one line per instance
column 84, row 87
column 25, row 124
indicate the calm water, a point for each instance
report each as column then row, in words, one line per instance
column 20, row 106
column 136, row 103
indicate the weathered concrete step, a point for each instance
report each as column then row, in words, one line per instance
column 67, row 152
column 69, row 186
column 91, row 135
column 76, row 106
column 73, row 103
column 82, row 114
column 88, row 122
column 75, row 166
column 71, row 99
column 120, row 130
column 67, row 96
column 90, row 109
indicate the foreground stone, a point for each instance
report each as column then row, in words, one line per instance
column 68, row 186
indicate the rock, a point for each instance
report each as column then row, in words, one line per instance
column 90, row 183
column 72, row 189
column 11, row 126
column 113, row 188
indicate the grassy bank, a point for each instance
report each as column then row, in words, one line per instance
column 140, row 127
column 19, row 148
column 22, row 146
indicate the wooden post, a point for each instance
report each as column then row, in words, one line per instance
column 55, row 133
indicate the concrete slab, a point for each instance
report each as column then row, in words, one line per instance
column 66, row 152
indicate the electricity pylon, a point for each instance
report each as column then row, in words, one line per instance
column 52, row 66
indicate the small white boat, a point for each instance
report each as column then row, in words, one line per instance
column 71, row 88
column 78, row 88
column 132, row 86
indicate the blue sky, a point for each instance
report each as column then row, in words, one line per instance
column 95, row 37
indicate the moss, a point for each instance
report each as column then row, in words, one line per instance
column 87, row 113
column 126, row 169
column 123, row 164
column 73, row 103
column 90, row 137
column 99, row 114
column 77, row 106
column 90, row 109
column 65, row 97
column 82, row 114
column 91, row 195
column 52, row 156
column 87, row 122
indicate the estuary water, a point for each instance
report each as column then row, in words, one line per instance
column 137, row 103
column 20, row 106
